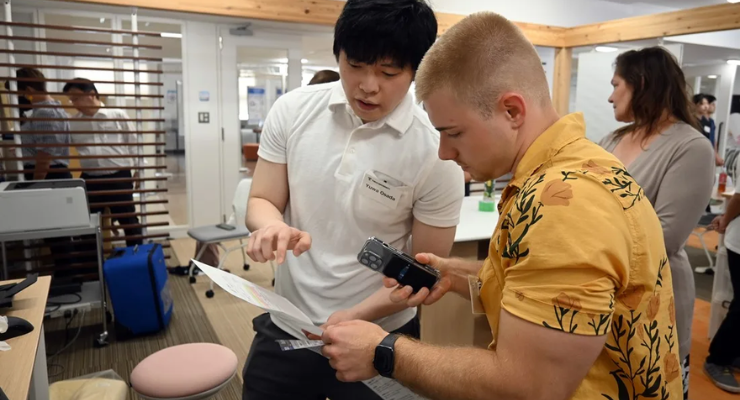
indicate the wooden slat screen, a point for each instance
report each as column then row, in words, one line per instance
column 131, row 196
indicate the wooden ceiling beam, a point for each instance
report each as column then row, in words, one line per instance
column 696, row 20
column 321, row 12
column 325, row 12
column 539, row 35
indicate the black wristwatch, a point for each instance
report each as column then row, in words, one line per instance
column 385, row 356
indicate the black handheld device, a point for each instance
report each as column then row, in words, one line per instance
column 226, row 227
column 383, row 258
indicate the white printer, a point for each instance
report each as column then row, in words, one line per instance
column 37, row 205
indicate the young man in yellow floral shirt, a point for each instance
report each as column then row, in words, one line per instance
column 577, row 287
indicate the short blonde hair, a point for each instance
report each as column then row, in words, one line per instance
column 480, row 58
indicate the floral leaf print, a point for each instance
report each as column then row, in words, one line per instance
column 557, row 193
column 652, row 379
column 672, row 367
column 623, row 182
column 604, row 321
column 632, row 296
column 663, row 263
column 567, row 177
column 653, row 307
column 670, row 339
column 564, row 305
column 529, row 214
column 624, row 393
column 594, row 168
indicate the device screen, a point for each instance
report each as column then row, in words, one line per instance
column 408, row 274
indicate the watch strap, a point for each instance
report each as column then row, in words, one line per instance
column 384, row 361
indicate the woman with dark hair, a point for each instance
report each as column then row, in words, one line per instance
column 669, row 158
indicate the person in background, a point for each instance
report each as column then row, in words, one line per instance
column 45, row 159
column 324, row 76
column 711, row 110
column 45, row 124
column 576, row 287
column 724, row 350
column 701, row 108
column 706, row 123
column 93, row 116
column 669, row 158
column 328, row 155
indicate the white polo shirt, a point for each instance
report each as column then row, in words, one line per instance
column 107, row 132
column 331, row 156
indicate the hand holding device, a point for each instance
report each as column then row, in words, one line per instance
column 273, row 241
column 424, row 296
column 392, row 263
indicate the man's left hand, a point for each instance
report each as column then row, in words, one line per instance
column 350, row 347
column 334, row 318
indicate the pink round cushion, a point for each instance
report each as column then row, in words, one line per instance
column 184, row 370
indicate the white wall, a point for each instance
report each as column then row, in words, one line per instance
column 728, row 39
column 547, row 55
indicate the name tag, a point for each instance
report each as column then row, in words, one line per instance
column 476, row 304
column 380, row 191
column 707, row 129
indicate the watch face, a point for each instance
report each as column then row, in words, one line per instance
column 383, row 362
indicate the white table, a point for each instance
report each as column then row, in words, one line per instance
column 476, row 225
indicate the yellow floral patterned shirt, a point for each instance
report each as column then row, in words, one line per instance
column 579, row 249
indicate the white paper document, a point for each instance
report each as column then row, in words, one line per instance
column 260, row 297
column 387, row 389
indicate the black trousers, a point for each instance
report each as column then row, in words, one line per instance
column 93, row 186
column 725, row 346
column 273, row 374
column 49, row 175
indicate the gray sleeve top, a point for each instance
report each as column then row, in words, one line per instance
column 676, row 173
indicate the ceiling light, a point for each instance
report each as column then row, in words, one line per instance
column 171, row 35
column 733, row 62
column 607, row 49
column 102, row 20
column 304, row 61
column 713, row 76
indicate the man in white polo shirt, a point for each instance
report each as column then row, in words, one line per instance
column 111, row 126
column 323, row 151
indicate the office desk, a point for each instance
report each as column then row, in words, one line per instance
column 450, row 321
column 23, row 368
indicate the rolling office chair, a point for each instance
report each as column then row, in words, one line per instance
column 212, row 234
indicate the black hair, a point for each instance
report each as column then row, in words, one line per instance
column 29, row 78
column 324, row 76
column 81, row 84
column 698, row 98
column 710, row 98
column 369, row 31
